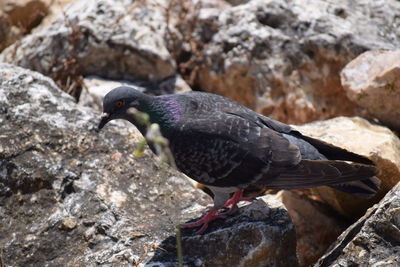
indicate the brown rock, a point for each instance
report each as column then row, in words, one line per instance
column 68, row 223
column 25, row 14
column 8, row 33
column 317, row 225
column 359, row 136
column 284, row 59
column 372, row 80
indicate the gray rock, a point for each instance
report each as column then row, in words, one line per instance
column 283, row 58
column 113, row 39
column 72, row 196
column 374, row 240
column 258, row 235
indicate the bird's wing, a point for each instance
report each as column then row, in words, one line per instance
column 310, row 173
column 226, row 150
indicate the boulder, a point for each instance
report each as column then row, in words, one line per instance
column 317, row 225
column 374, row 240
column 8, row 33
column 362, row 137
column 258, row 235
column 372, row 80
column 70, row 195
column 25, row 14
column 283, row 59
column 112, row 39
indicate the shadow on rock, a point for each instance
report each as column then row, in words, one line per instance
column 258, row 235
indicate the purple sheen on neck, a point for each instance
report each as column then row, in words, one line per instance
column 171, row 107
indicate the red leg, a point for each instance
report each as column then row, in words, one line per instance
column 213, row 214
column 210, row 215
column 234, row 200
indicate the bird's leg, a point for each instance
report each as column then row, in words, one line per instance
column 210, row 215
column 234, row 200
column 220, row 199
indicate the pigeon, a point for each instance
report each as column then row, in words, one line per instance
column 229, row 147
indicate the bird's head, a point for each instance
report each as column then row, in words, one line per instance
column 119, row 103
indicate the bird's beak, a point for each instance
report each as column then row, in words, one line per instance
column 105, row 117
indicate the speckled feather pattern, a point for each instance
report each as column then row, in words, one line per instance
column 215, row 146
column 223, row 144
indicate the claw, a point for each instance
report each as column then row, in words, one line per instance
column 235, row 199
column 211, row 215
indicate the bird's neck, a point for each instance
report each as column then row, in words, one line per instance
column 165, row 111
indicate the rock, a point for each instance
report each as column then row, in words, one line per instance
column 25, row 14
column 95, row 88
column 317, row 225
column 70, row 195
column 373, row 141
column 256, row 236
column 68, row 223
column 237, row 2
column 374, row 240
column 65, row 199
column 8, row 33
column 113, row 39
column 372, row 80
column 283, row 59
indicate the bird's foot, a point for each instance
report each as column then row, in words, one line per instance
column 210, row 215
column 234, row 200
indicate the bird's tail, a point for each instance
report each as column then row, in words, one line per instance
column 363, row 189
column 357, row 179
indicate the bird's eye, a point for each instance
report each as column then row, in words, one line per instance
column 119, row 103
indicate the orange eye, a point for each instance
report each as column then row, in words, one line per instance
column 119, row 103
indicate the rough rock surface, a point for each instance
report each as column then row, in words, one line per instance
column 8, row 33
column 372, row 80
column 25, row 14
column 269, row 240
column 317, row 225
column 374, row 240
column 362, row 137
column 283, row 58
column 70, row 196
column 112, row 39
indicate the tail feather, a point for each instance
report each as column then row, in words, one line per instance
column 333, row 152
column 311, row 173
column 363, row 189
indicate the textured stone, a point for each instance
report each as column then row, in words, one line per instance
column 317, row 225
column 283, row 59
column 25, row 14
column 364, row 138
column 113, row 39
column 8, row 33
column 65, row 198
column 70, row 195
column 269, row 240
column 374, row 240
column 372, row 80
